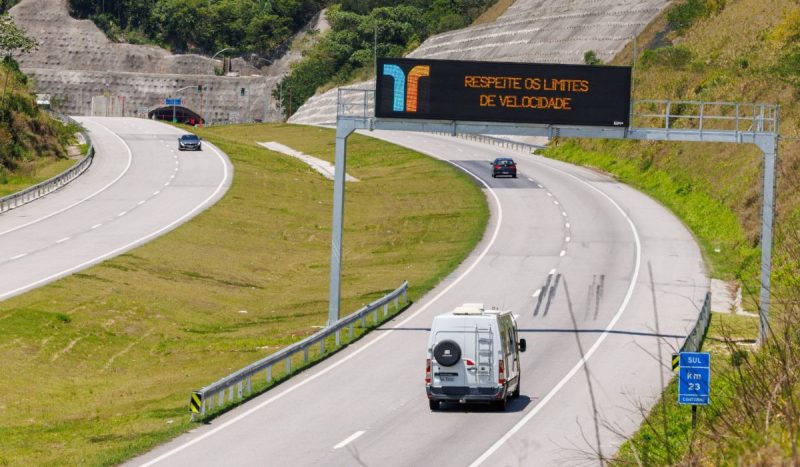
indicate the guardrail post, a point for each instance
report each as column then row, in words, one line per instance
column 269, row 374
column 221, row 398
column 249, row 386
column 288, row 365
column 385, row 310
column 239, row 390
column 230, row 394
column 375, row 317
column 350, row 332
column 322, row 347
column 305, row 355
column 338, row 339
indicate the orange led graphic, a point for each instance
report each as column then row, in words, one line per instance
column 412, row 93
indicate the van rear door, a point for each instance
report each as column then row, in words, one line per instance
column 446, row 345
column 481, row 373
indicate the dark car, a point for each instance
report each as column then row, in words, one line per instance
column 504, row 166
column 189, row 143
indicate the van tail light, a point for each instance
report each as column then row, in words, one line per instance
column 497, row 166
column 428, row 372
column 501, row 373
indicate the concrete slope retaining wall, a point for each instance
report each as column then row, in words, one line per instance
column 76, row 61
column 552, row 31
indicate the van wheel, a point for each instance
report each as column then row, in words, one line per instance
column 447, row 353
column 434, row 405
column 502, row 403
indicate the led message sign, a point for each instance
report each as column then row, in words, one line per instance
column 503, row 92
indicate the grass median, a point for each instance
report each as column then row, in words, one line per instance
column 98, row 366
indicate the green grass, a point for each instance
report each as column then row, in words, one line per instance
column 98, row 366
column 715, row 225
column 666, row 437
column 35, row 172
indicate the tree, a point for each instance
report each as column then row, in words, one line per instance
column 13, row 39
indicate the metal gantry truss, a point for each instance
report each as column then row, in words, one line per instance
column 651, row 120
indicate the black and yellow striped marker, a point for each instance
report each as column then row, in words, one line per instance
column 195, row 402
column 676, row 361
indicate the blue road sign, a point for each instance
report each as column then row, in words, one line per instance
column 694, row 378
column 176, row 101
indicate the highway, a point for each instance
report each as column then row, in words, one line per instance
column 605, row 282
column 138, row 187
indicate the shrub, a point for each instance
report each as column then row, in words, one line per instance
column 684, row 15
column 678, row 57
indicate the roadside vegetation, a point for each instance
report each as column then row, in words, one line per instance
column 743, row 51
column 32, row 143
column 98, row 366
column 394, row 28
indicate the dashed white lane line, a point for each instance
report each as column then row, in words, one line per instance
column 349, row 439
column 96, row 226
column 563, row 252
column 140, row 203
column 530, row 180
column 166, row 184
column 555, row 202
column 567, row 224
column 567, row 239
column 564, row 213
column 540, row 186
column 62, row 240
column 21, row 255
column 122, row 213
column 362, row 348
column 549, row 194
column 536, row 294
column 552, row 271
column 155, row 193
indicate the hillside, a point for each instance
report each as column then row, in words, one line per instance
column 743, row 51
column 30, row 139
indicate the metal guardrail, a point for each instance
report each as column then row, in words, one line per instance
column 705, row 116
column 500, row 142
column 48, row 186
column 238, row 385
column 694, row 341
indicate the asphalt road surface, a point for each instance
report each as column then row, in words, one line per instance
column 138, row 187
column 606, row 284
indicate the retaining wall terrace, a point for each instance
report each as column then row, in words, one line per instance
column 75, row 61
column 537, row 31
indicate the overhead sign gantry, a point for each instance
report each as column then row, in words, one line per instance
column 580, row 101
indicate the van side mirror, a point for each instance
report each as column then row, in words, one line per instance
column 522, row 345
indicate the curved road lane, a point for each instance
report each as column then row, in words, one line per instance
column 138, row 187
column 606, row 283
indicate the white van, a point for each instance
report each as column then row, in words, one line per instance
column 473, row 356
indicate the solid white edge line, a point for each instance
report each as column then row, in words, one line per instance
column 130, row 245
column 349, row 439
column 594, row 346
column 128, row 166
column 360, row 349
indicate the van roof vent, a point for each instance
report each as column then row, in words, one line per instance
column 469, row 309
